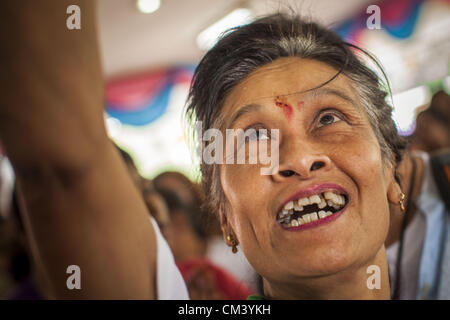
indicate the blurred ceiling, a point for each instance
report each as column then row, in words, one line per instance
column 132, row 41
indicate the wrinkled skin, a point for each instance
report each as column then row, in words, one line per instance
column 324, row 128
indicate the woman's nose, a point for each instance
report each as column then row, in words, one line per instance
column 302, row 161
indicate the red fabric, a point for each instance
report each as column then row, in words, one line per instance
column 394, row 12
column 132, row 92
column 227, row 285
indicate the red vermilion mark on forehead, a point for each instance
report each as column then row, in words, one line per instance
column 281, row 102
column 300, row 105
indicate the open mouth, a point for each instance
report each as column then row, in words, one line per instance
column 310, row 209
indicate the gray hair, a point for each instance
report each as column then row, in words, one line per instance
column 242, row 50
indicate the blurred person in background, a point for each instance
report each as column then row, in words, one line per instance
column 432, row 130
column 189, row 243
column 23, row 267
column 6, row 227
column 418, row 245
column 189, row 238
column 202, row 227
column 158, row 208
column 188, row 192
column 7, row 240
column 153, row 200
column 20, row 278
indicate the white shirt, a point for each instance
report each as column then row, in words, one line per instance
column 169, row 282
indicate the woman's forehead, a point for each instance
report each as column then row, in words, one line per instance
column 286, row 77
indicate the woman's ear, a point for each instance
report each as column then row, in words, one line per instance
column 223, row 222
column 394, row 191
column 227, row 229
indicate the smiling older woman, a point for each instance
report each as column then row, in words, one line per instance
column 311, row 229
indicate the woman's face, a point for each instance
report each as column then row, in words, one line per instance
column 325, row 144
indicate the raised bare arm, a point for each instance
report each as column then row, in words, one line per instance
column 81, row 206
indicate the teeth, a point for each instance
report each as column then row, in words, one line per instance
column 328, row 198
column 284, row 213
column 334, row 203
column 303, row 202
column 314, row 199
column 306, row 218
column 335, row 198
column 322, row 203
column 328, row 195
column 322, row 214
column 289, row 205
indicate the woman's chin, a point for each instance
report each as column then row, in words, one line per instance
column 321, row 267
column 322, row 259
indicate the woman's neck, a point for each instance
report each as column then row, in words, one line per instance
column 351, row 284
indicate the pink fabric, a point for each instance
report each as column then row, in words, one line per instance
column 131, row 93
column 227, row 285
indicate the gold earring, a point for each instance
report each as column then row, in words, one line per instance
column 233, row 243
column 401, row 202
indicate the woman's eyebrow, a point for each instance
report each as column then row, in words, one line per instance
column 331, row 91
column 315, row 93
column 246, row 109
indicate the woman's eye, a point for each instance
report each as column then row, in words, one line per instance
column 260, row 134
column 327, row 119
